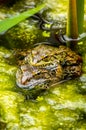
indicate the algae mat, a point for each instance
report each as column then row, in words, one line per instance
column 60, row 108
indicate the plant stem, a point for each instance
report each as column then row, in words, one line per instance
column 72, row 26
column 80, row 15
column 75, row 18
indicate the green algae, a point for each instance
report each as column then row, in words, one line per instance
column 62, row 107
column 27, row 33
column 9, row 107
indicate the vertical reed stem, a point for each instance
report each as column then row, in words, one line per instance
column 80, row 15
column 75, row 18
column 72, row 25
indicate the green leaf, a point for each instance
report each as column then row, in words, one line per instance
column 10, row 22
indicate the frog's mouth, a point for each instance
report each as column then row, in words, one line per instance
column 39, row 83
column 32, row 84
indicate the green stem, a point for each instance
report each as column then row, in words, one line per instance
column 80, row 15
column 75, row 18
column 72, row 26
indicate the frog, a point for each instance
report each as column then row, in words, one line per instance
column 45, row 65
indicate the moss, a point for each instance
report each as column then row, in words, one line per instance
column 59, row 108
column 27, row 33
column 7, row 70
column 24, row 35
column 9, row 104
column 6, row 82
column 62, row 107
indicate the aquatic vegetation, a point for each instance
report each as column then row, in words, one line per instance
column 10, row 22
column 61, row 107
column 75, row 19
column 22, row 34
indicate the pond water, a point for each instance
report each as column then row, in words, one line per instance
column 62, row 107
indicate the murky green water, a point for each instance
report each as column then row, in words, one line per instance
column 63, row 107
